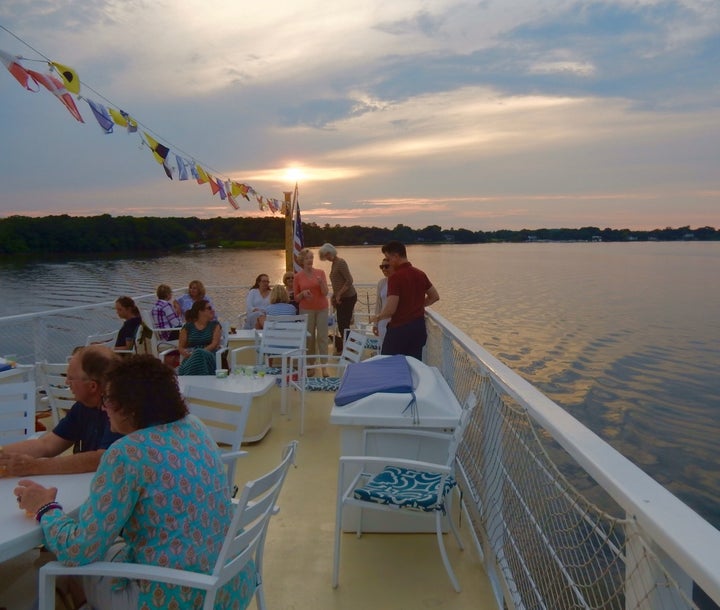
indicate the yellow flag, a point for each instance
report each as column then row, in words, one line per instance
column 69, row 77
column 202, row 175
column 118, row 117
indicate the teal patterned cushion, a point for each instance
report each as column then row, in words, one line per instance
column 373, row 344
column 405, row 488
column 322, row 384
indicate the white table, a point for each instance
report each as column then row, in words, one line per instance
column 20, row 532
column 241, row 390
column 438, row 409
column 21, row 372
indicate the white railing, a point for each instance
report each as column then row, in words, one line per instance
column 561, row 518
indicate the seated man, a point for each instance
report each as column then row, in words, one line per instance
column 86, row 425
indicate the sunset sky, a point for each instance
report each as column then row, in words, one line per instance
column 483, row 114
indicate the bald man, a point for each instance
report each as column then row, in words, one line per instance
column 85, row 427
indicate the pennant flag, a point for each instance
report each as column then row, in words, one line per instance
column 221, row 189
column 194, row 172
column 232, row 201
column 117, row 117
column 102, row 115
column 298, row 241
column 273, row 204
column 168, row 170
column 54, row 86
column 202, row 176
column 182, row 168
column 131, row 122
column 213, row 185
column 160, row 151
column 69, row 77
column 21, row 74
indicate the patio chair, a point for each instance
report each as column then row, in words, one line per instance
column 109, row 338
column 52, row 377
column 353, row 349
column 392, row 484
column 244, row 542
column 157, row 341
column 17, row 411
column 283, row 337
column 226, row 423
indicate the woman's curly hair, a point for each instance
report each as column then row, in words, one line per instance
column 146, row 390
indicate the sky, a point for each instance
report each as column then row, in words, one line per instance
column 483, row 114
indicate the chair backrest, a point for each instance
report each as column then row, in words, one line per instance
column 156, row 341
column 226, row 423
column 53, row 378
column 17, row 411
column 245, row 538
column 107, row 338
column 353, row 347
column 282, row 334
column 459, row 431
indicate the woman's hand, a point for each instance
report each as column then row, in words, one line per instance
column 31, row 496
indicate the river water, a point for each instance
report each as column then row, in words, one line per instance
column 626, row 337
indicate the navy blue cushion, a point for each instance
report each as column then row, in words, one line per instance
column 391, row 374
column 405, row 488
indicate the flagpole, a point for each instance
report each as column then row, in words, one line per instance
column 288, row 206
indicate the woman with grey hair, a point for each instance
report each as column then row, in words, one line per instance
column 344, row 295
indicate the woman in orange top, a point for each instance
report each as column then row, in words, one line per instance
column 310, row 288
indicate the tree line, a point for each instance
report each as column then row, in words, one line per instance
column 63, row 234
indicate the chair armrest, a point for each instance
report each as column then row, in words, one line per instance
column 232, row 455
column 130, row 570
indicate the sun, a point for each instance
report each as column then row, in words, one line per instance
column 294, row 174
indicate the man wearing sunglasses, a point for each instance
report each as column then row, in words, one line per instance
column 85, row 427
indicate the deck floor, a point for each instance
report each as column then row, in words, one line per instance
column 399, row 571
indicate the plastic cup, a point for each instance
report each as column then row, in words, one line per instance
column 221, row 373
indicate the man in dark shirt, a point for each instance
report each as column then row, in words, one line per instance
column 409, row 292
column 86, row 425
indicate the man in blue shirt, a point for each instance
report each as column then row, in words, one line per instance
column 86, row 427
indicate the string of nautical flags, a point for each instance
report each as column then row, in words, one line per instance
column 64, row 83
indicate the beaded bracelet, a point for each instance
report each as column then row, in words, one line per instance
column 45, row 508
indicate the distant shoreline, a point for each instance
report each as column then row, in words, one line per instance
column 63, row 235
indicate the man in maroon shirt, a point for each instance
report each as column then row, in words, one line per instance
column 409, row 293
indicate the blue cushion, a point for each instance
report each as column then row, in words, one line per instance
column 372, row 343
column 390, row 374
column 405, row 488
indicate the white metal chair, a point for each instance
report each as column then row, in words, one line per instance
column 400, row 484
column 107, row 338
column 244, row 542
column 226, row 423
column 157, row 341
column 353, row 349
column 17, row 411
column 52, row 377
column 283, row 337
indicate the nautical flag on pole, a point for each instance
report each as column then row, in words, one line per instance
column 298, row 242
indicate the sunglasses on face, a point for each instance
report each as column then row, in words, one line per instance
column 384, row 266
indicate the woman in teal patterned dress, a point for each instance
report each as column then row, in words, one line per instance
column 161, row 488
column 199, row 339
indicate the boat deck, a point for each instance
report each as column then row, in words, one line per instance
column 399, row 571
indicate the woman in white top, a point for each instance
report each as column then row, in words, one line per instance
column 380, row 298
column 257, row 300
